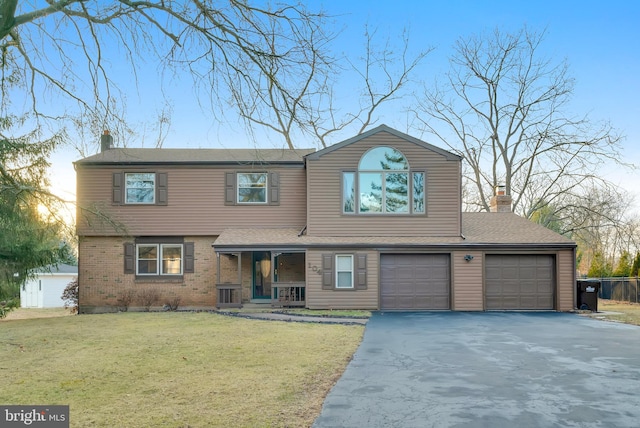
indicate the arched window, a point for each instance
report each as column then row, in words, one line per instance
column 383, row 184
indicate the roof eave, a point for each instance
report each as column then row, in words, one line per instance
column 383, row 128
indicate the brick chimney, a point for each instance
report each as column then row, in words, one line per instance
column 106, row 141
column 501, row 202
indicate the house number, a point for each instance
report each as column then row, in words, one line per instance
column 316, row 269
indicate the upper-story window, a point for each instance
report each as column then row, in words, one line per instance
column 252, row 188
column 140, row 188
column 383, row 184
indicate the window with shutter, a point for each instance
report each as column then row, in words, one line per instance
column 189, row 257
column 327, row 271
column 274, row 188
column 361, row 271
column 157, row 257
column 229, row 188
column 129, row 258
column 344, row 271
column 117, row 188
column 161, row 188
column 140, row 188
column 252, row 188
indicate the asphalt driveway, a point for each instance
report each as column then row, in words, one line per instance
column 452, row 369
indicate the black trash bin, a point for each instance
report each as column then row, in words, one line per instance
column 588, row 294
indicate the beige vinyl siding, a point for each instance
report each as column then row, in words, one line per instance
column 566, row 280
column 324, row 193
column 317, row 298
column 467, row 284
column 195, row 203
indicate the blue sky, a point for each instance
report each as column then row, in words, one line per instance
column 599, row 39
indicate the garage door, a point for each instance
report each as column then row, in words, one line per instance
column 519, row 282
column 414, row 281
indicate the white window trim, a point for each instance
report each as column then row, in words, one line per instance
column 137, row 259
column 383, row 194
column 159, row 252
column 126, row 188
column 266, row 188
column 342, row 271
column 161, row 259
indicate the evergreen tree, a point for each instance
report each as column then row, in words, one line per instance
column 635, row 267
column 624, row 265
column 30, row 231
column 599, row 267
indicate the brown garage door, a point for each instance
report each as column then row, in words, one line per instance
column 519, row 282
column 414, row 281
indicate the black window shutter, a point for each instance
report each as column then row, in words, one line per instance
column 274, row 188
column 118, row 188
column 129, row 258
column 229, row 188
column 327, row 271
column 361, row 271
column 161, row 188
column 189, row 257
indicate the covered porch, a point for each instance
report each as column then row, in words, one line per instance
column 276, row 278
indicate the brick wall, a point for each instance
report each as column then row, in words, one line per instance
column 103, row 281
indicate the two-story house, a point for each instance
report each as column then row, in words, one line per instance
column 373, row 222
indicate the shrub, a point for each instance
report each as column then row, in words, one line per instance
column 124, row 300
column 7, row 306
column 148, row 297
column 70, row 296
column 172, row 303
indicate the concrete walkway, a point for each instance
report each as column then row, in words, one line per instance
column 453, row 369
column 275, row 316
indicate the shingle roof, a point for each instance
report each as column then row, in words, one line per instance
column 60, row 268
column 291, row 238
column 201, row 156
column 507, row 228
column 478, row 229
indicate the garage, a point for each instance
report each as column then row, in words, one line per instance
column 519, row 282
column 415, row 281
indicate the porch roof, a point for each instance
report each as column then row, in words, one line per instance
column 290, row 239
column 478, row 229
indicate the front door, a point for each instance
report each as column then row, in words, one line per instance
column 261, row 275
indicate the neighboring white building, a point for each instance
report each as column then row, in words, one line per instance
column 46, row 288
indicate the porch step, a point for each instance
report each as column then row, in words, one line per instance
column 253, row 305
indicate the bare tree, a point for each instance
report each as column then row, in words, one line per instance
column 504, row 108
column 379, row 77
column 65, row 50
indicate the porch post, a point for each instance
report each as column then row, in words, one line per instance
column 273, row 268
column 217, row 268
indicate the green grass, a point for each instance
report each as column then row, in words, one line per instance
column 174, row 369
column 628, row 313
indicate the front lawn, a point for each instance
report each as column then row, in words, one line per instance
column 628, row 313
column 174, row 369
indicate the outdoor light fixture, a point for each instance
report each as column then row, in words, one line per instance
column 468, row 258
column 265, row 267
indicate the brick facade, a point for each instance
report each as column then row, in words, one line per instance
column 103, row 281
